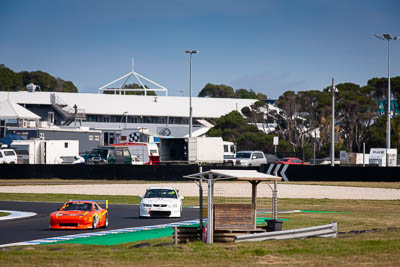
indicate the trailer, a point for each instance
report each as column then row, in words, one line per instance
column 28, row 151
column 192, row 150
column 88, row 138
column 46, row 151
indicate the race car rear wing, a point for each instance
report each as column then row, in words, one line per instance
column 97, row 201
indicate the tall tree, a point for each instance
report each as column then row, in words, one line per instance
column 243, row 93
column 222, row 91
column 289, row 127
column 356, row 112
column 233, row 127
column 9, row 80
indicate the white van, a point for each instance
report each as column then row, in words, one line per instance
column 250, row 158
column 8, row 155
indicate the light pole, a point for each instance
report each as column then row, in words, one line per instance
column 190, row 52
column 388, row 37
column 333, row 124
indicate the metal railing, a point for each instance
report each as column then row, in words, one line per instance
column 328, row 230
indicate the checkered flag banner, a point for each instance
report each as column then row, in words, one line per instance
column 134, row 137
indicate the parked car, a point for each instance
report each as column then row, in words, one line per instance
column 291, row 161
column 78, row 160
column 161, row 202
column 250, row 158
column 8, row 155
column 72, row 160
column 110, row 155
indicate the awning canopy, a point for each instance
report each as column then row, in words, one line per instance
column 238, row 175
column 11, row 110
column 7, row 140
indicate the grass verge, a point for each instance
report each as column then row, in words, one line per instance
column 378, row 248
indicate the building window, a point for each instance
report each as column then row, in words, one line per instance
column 133, row 119
column 50, row 117
column 66, row 145
column 147, row 120
column 106, row 118
column 114, row 119
column 91, row 118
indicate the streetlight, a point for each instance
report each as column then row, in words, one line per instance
column 388, row 37
column 334, row 90
column 190, row 94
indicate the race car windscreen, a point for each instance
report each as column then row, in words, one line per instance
column 77, row 206
column 160, row 193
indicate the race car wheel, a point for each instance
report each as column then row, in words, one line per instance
column 106, row 222
column 95, row 222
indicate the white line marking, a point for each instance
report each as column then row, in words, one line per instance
column 16, row 214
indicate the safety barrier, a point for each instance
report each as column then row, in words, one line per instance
column 175, row 172
column 336, row 173
column 328, row 230
column 106, row 171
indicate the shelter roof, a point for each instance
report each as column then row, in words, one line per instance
column 11, row 110
column 238, row 175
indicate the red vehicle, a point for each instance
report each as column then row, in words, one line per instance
column 291, row 161
column 79, row 214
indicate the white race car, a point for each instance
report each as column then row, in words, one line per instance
column 161, row 202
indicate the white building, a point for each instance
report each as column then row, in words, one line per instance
column 161, row 115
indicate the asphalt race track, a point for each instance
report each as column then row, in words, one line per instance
column 37, row 227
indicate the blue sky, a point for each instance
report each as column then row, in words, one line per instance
column 268, row 46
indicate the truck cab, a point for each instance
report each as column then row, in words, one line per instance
column 229, row 153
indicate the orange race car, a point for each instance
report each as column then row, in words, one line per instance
column 80, row 214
